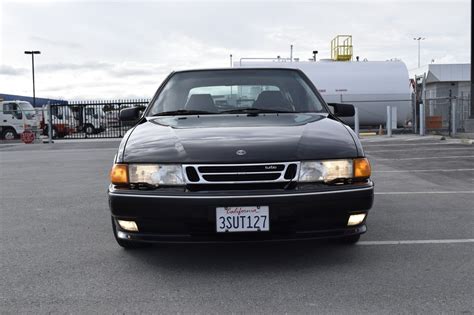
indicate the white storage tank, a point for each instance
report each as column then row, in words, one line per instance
column 369, row 85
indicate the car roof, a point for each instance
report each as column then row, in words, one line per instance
column 238, row 69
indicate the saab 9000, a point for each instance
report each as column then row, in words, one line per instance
column 225, row 155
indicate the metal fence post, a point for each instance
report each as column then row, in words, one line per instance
column 356, row 121
column 415, row 116
column 119, row 121
column 50, row 124
column 453, row 117
column 389, row 121
column 422, row 119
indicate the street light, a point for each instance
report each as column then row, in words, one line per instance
column 33, row 53
column 419, row 39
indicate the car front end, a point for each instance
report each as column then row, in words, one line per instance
column 236, row 209
column 235, row 173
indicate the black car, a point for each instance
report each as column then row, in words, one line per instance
column 247, row 154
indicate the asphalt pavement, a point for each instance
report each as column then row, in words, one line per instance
column 58, row 253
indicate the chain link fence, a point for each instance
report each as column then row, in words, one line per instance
column 446, row 115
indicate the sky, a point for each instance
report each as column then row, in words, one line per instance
column 94, row 50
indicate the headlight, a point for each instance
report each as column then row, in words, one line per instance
column 330, row 170
column 169, row 175
column 325, row 171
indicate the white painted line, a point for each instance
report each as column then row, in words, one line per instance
column 423, row 192
column 89, row 140
column 423, row 171
column 413, row 242
column 428, row 158
column 413, row 144
column 421, row 149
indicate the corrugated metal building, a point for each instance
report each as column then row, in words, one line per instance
column 440, row 82
column 39, row 100
column 441, row 78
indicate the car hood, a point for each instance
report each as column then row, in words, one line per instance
column 217, row 138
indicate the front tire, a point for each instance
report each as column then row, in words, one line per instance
column 54, row 132
column 89, row 129
column 126, row 243
column 9, row 134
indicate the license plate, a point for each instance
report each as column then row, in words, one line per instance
column 242, row 219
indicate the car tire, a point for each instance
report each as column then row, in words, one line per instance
column 350, row 240
column 54, row 132
column 126, row 243
column 89, row 129
column 9, row 134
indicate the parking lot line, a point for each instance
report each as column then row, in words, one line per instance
column 428, row 158
column 424, row 192
column 372, row 144
column 413, row 242
column 423, row 171
column 420, row 149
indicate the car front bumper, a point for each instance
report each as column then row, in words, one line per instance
column 191, row 217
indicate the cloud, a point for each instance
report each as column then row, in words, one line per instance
column 93, row 66
column 9, row 70
column 115, row 49
column 55, row 43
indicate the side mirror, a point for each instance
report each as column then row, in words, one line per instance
column 130, row 114
column 19, row 115
column 343, row 110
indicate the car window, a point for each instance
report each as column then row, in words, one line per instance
column 28, row 110
column 232, row 96
column 10, row 108
column 219, row 91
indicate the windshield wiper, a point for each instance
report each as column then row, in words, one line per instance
column 183, row 112
column 253, row 111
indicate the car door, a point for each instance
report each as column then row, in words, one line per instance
column 12, row 116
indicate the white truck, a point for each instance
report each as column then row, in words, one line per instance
column 91, row 119
column 63, row 121
column 15, row 118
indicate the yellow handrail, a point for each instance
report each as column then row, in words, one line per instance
column 341, row 48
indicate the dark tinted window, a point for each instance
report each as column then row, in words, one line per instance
column 226, row 90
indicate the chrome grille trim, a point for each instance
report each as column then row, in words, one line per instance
column 202, row 180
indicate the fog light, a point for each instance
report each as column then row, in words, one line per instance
column 356, row 219
column 128, row 225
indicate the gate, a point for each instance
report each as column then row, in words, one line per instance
column 89, row 119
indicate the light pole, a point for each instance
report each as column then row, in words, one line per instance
column 419, row 39
column 33, row 53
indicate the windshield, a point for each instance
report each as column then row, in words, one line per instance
column 233, row 91
column 27, row 109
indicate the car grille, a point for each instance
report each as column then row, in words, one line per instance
column 208, row 174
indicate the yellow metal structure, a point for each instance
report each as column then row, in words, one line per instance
column 341, row 48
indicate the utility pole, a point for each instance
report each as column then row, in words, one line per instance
column 33, row 53
column 419, row 39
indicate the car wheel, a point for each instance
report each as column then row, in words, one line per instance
column 89, row 129
column 9, row 134
column 126, row 243
column 349, row 240
column 54, row 132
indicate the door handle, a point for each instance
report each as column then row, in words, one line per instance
column 4, row 120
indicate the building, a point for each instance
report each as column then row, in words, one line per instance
column 39, row 101
column 443, row 79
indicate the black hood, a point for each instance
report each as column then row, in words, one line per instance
column 217, row 138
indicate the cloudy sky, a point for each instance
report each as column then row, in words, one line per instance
column 124, row 49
